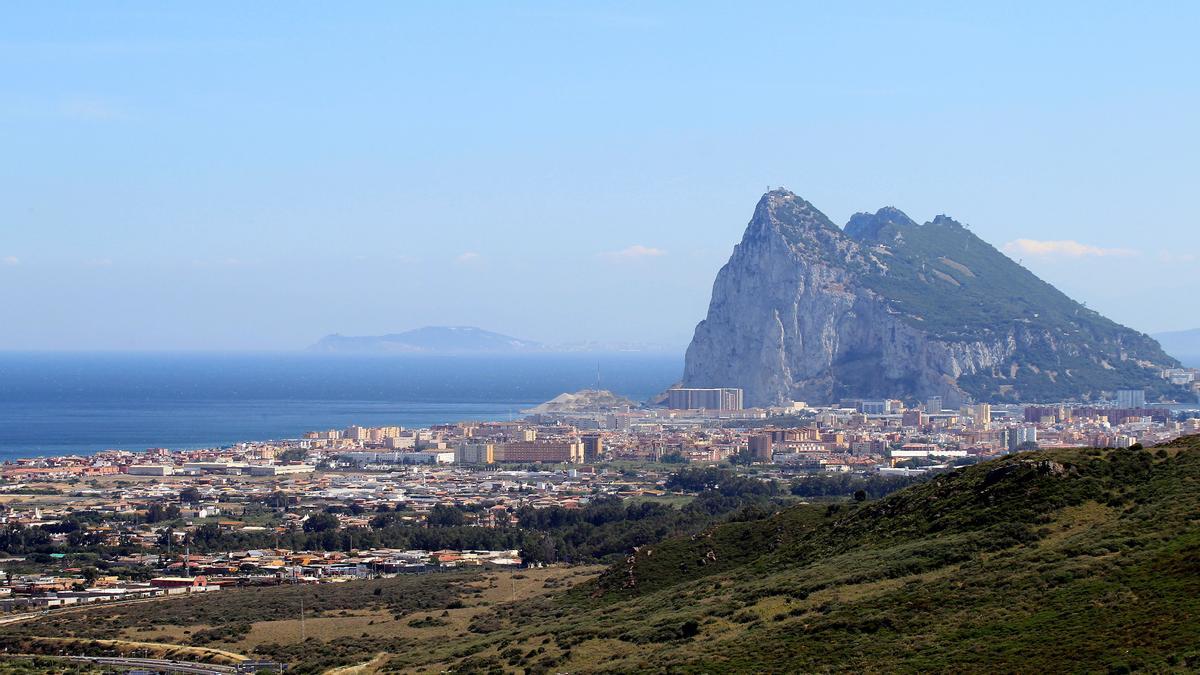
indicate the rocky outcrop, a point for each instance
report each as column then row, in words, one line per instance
column 887, row 308
column 583, row 401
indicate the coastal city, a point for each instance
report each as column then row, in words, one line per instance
column 124, row 524
column 569, row 338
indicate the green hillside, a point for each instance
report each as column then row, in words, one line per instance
column 1067, row 560
column 945, row 280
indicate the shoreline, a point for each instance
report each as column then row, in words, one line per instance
column 419, row 416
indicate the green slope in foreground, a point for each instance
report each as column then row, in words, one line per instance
column 1062, row 560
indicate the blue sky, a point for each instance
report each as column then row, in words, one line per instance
column 227, row 176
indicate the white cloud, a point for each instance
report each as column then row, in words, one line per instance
column 635, row 252
column 467, row 258
column 10, row 260
column 1064, row 248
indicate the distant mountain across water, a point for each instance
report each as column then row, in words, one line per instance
column 429, row 340
column 449, row 340
column 1182, row 344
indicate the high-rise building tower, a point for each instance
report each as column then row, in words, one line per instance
column 760, row 446
column 704, row 399
column 593, row 446
column 1128, row 399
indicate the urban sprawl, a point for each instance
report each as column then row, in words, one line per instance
column 123, row 525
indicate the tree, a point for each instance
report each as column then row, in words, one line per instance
column 277, row 500
column 539, row 548
column 743, row 457
column 158, row 513
column 446, row 516
column 294, row 455
column 190, row 495
column 321, row 522
column 860, row 495
column 207, row 537
column 386, row 519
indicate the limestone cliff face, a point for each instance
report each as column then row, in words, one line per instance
column 805, row 311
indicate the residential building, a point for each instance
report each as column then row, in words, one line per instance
column 541, row 451
column 686, row 398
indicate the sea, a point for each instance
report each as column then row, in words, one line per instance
column 82, row 403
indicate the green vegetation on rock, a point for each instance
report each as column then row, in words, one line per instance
column 946, row 281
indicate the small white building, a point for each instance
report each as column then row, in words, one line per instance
column 150, row 470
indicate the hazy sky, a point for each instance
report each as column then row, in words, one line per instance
column 255, row 175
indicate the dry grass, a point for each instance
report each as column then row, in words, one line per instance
column 163, row 633
column 355, row 624
column 367, row 668
column 495, row 588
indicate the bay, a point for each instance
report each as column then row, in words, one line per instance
column 67, row 403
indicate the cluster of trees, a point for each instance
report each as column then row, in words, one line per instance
column 327, row 536
column 18, row 539
column 606, row 528
column 846, row 485
column 722, row 481
column 294, row 455
column 159, row 512
column 23, row 540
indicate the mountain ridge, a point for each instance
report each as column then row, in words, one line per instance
column 466, row 340
column 1182, row 344
column 428, row 340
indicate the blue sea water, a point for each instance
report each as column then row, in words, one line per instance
column 63, row 403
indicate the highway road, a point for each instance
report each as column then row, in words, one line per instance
column 26, row 616
column 159, row 665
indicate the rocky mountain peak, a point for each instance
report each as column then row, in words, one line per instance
column 784, row 211
column 806, row 311
column 946, row 221
column 886, row 224
column 784, row 222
